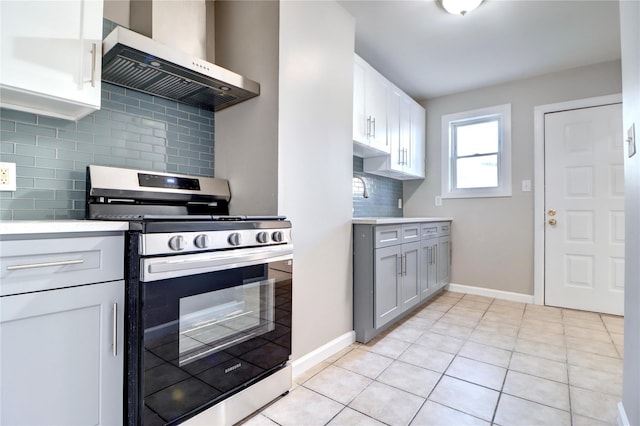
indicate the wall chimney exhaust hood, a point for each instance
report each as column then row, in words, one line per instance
column 138, row 62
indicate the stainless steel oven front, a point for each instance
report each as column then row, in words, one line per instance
column 210, row 325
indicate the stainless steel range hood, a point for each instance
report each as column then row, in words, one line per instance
column 138, row 62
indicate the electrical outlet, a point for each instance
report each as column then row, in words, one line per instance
column 7, row 176
column 438, row 201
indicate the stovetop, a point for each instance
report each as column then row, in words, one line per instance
column 177, row 214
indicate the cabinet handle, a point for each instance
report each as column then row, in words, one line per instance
column 368, row 126
column 94, row 53
column 433, row 255
column 399, row 264
column 404, row 264
column 373, row 121
column 115, row 329
column 44, row 265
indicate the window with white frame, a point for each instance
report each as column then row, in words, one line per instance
column 476, row 153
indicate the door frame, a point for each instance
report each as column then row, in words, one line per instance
column 538, row 173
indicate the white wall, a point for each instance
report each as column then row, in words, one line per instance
column 315, row 165
column 289, row 151
column 630, row 38
column 492, row 238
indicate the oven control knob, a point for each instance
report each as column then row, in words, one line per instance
column 177, row 243
column 262, row 237
column 277, row 236
column 234, row 239
column 201, row 241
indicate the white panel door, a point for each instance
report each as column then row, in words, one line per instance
column 584, row 203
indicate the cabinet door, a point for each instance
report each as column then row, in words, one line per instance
column 428, row 273
column 58, row 363
column 393, row 129
column 405, row 134
column 359, row 117
column 50, row 56
column 377, row 89
column 370, row 97
column 387, row 284
column 444, row 261
column 416, row 160
column 410, row 283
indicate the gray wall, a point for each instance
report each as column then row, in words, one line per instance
column 132, row 129
column 247, row 134
column 492, row 238
column 630, row 38
column 290, row 149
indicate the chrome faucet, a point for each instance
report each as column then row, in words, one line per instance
column 365, row 194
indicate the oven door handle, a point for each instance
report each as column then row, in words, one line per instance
column 161, row 268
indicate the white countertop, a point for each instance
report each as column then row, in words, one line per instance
column 17, row 227
column 397, row 220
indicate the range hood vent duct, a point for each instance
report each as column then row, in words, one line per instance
column 141, row 63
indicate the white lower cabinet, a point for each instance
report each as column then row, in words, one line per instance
column 62, row 348
column 395, row 268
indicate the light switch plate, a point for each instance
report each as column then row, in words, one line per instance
column 526, row 185
column 438, row 201
column 631, row 140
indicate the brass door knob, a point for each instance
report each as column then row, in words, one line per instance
column 552, row 221
column 552, row 212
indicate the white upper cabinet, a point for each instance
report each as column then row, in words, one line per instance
column 406, row 125
column 50, row 56
column 416, row 165
column 388, row 126
column 370, row 93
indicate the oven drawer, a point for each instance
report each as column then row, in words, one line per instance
column 45, row 264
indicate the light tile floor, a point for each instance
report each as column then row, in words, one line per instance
column 467, row 360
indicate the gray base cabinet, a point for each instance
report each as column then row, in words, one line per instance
column 62, row 346
column 396, row 268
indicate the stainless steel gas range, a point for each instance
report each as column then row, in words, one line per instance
column 208, row 294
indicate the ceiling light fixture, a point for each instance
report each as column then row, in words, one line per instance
column 460, row 7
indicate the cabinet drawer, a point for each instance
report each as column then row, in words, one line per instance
column 429, row 230
column 45, row 264
column 410, row 232
column 444, row 228
column 388, row 235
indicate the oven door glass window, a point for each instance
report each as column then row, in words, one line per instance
column 214, row 321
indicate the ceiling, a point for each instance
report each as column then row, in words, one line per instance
column 429, row 53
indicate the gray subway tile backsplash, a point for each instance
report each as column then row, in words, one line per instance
column 132, row 129
column 383, row 194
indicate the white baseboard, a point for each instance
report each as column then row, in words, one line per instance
column 315, row 357
column 623, row 420
column 489, row 292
